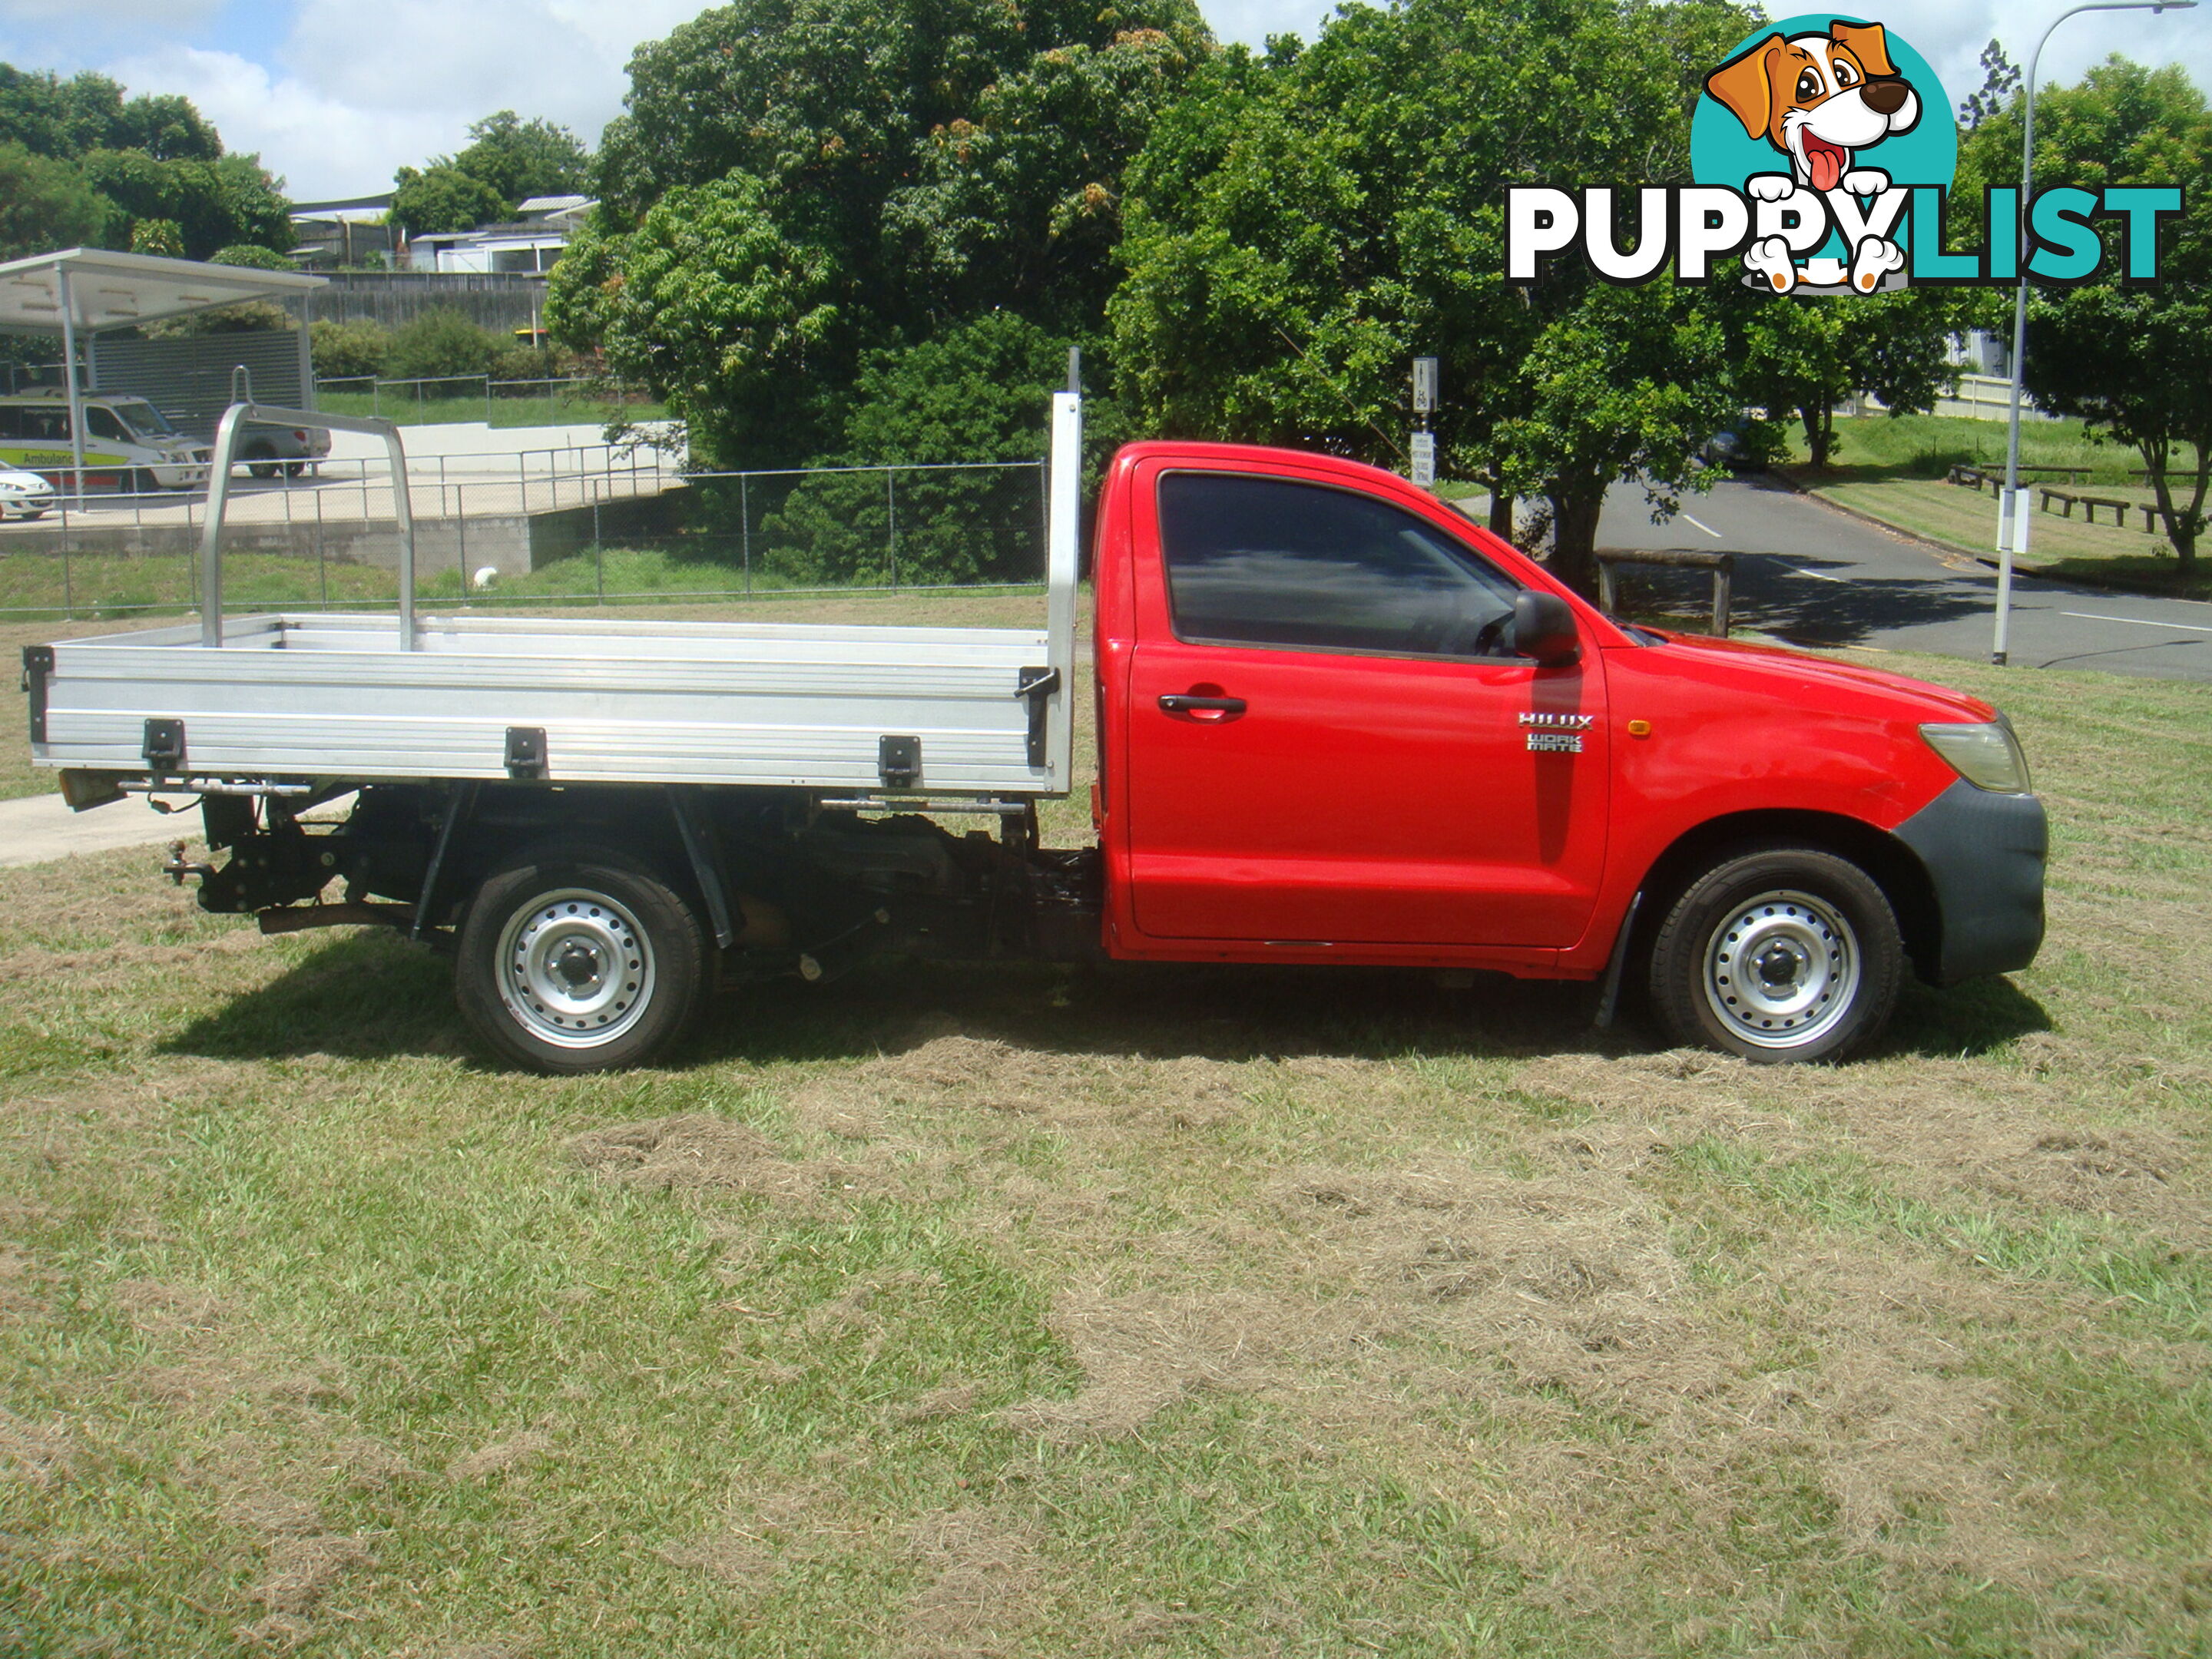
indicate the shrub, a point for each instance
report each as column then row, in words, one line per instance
column 976, row 392
column 440, row 343
column 343, row 350
column 246, row 255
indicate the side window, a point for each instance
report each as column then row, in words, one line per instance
column 46, row 424
column 101, row 423
column 11, row 421
column 1269, row 561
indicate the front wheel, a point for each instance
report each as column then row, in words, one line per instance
column 1778, row 953
column 578, row 959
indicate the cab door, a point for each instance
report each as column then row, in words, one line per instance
column 1329, row 739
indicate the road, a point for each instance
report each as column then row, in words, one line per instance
column 1814, row 575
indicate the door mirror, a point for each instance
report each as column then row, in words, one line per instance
column 1544, row 629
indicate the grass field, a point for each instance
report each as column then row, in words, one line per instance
column 1893, row 470
column 1022, row 1311
column 502, row 411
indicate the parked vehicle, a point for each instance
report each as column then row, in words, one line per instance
column 24, row 495
column 1337, row 723
column 126, row 439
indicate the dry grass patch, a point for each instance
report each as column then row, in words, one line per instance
column 1009, row 1310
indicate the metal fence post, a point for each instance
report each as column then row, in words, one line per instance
column 746, row 527
column 322, row 557
column 598, row 553
column 890, row 504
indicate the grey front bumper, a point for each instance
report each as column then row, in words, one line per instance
column 1985, row 855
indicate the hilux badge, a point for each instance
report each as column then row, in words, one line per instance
column 1557, row 734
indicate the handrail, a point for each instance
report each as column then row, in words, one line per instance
column 235, row 419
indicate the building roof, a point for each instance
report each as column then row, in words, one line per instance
column 352, row 207
column 553, row 203
column 120, row 290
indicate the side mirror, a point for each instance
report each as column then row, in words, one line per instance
column 1544, row 629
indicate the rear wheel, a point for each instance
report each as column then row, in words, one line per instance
column 1778, row 953
column 261, row 460
column 575, row 959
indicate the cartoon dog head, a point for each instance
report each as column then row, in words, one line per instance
column 1818, row 98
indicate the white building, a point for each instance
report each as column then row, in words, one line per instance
column 534, row 242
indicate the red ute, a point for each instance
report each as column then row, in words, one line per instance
column 1321, row 739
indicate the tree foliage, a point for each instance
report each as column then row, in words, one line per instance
column 507, row 161
column 975, row 392
column 1304, row 223
column 46, row 204
column 441, row 343
column 442, row 197
column 1804, row 354
column 798, row 186
column 2134, row 362
column 154, row 168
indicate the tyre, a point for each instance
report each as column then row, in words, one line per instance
column 574, row 958
column 261, row 460
column 1778, row 953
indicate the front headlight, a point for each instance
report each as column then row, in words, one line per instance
column 1987, row 756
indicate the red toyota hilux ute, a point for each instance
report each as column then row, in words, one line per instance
column 1340, row 723
column 1337, row 723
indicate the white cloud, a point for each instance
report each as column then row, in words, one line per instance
column 322, row 146
column 342, row 101
column 88, row 15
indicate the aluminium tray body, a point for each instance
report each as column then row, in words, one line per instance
column 779, row 705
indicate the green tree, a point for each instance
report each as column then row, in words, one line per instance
column 869, row 174
column 733, row 318
column 520, row 159
column 158, row 236
column 1805, row 355
column 977, row 393
column 155, row 158
column 2134, row 362
column 442, row 197
column 1304, row 224
column 46, row 204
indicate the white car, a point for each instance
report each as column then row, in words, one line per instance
column 24, row 495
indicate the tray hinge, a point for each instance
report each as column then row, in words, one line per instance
column 163, row 749
column 1037, row 684
column 898, row 762
column 525, row 752
column 38, row 669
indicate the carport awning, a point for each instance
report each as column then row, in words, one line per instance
column 119, row 290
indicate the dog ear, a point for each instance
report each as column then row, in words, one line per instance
column 1745, row 87
column 1869, row 43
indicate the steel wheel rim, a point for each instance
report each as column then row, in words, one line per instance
column 1782, row 970
column 575, row 968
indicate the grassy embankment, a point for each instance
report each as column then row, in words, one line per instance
column 1011, row 1310
column 1894, row 469
column 563, row 409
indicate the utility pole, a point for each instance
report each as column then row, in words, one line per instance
column 1424, row 446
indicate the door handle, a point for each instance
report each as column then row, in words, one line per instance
column 1182, row 702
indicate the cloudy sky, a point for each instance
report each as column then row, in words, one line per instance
column 336, row 93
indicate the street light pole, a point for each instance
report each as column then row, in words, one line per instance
column 2012, row 518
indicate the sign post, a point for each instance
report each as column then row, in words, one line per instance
column 1423, row 447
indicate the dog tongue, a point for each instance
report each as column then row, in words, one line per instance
column 1827, row 164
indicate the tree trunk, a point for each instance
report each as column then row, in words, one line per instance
column 1575, row 509
column 1501, row 509
column 1820, row 432
column 2182, row 524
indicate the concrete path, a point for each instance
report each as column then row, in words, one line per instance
column 41, row 828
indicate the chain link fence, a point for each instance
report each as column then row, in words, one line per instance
column 586, row 525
